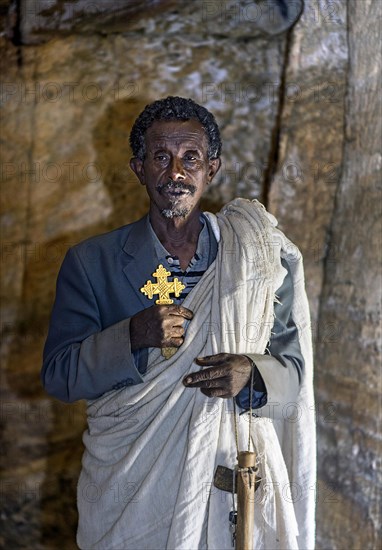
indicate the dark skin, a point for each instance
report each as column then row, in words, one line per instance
column 176, row 171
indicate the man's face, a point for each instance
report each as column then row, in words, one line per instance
column 176, row 169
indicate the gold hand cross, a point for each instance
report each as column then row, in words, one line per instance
column 164, row 288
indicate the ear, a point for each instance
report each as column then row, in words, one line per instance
column 213, row 168
column 136, row 165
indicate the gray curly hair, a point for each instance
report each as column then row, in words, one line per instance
column 174, row 108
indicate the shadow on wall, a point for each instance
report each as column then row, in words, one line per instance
column 111, row 142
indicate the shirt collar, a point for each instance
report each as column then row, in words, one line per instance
column 202, row 248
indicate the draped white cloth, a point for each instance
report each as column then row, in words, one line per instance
column 152, row 449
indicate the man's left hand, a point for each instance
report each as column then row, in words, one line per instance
column 226, row 375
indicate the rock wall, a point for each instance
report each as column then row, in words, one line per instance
column 296, row 103
column 331, row 206
column 350, row 385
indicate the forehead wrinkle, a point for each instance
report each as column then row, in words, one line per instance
column 175, row 136
column 186, row 141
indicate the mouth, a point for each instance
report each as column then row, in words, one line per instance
column 170, row 192
column 176, row 190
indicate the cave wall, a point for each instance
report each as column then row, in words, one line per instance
column 350, row 384
column 298, row 108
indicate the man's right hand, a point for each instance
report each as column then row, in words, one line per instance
column 159, row 327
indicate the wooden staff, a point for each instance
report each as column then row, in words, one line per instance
column 246, row 478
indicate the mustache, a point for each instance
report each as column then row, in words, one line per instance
column 171, row 184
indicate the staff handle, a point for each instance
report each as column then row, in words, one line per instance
column 246, row 479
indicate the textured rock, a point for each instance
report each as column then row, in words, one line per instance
column 349, row 377
column 325, row 194
column 309, row 147
column 14, row 195
column 43, row 20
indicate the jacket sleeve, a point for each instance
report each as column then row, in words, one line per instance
column 81, row 359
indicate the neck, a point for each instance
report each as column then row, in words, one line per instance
column 176, row 232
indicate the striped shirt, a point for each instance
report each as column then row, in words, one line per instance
column 195, row 269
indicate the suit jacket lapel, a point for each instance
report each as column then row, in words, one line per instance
column 141, row 259
column 141, row 256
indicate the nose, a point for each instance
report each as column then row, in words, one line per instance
column 176, row 169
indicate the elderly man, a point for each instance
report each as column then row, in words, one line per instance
column 158, row 378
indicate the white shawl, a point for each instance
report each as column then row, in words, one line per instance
column 152, row 449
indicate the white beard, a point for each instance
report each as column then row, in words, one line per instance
column 175, row 212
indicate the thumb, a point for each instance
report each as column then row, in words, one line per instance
column 207, row 360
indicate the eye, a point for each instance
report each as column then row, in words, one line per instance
column 160, row 157
column 190, row 158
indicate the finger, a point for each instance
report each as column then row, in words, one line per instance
column 205, row 374
column 218, row 392
column 173, row 330
column 217, row 359
column 209, row 384
column 173, row 321
column 180, row 311
column 172, row 342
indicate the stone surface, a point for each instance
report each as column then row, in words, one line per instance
column 73, row 82
column 350, row 445
column 14, row 188
column 42, row 20
column 310, row 144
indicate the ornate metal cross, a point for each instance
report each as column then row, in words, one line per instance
column 163, row 287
